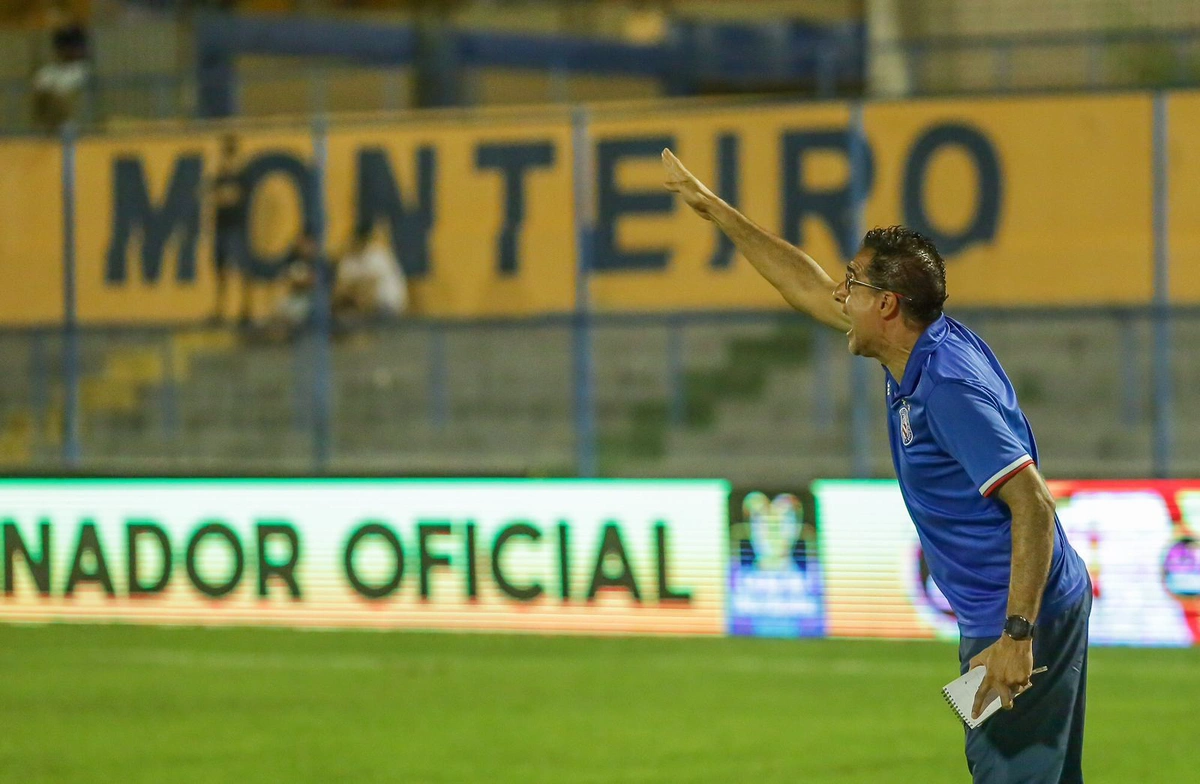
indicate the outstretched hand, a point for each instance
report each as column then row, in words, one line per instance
column 695, row 193
column 1009, row 665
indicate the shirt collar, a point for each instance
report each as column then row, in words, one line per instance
column 933, row 335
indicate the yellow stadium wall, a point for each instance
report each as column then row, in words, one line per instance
column 1034, row 201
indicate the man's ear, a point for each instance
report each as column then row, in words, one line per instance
column 889, row 307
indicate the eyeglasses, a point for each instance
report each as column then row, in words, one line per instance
column 853, row 281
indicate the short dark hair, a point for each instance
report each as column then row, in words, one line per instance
column 907, row 263
column 71, row 37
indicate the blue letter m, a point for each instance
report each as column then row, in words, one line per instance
column 133, row 211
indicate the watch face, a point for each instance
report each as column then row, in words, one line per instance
column 1018, row 628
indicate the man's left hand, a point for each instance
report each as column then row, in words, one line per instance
column 1009, row 665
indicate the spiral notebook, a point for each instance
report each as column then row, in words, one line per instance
column 960, row 695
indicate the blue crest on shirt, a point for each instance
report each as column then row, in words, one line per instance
column 906, row 433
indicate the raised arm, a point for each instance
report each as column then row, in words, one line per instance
column 800, row 280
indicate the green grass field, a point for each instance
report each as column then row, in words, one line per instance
column 132, row 704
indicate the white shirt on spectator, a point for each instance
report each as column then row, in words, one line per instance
column 376, row 264
column 62, row 79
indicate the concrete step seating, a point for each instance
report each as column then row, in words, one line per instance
column 202, row 398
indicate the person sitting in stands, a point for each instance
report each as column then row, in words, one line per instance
column 370, row 283
column 294, row 310
column 57, row 85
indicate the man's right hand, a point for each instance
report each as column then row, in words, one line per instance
column 695, row 193
column 800, row 280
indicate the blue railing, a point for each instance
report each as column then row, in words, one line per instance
column 816, row 60
column 694, row 58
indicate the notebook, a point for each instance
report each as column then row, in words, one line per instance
column 960, row 695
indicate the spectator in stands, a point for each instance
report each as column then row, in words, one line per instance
column 230, row 237
column 57, row 85
column 295, row 309
column 370, row 284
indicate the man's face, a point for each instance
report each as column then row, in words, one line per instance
column 862, row 306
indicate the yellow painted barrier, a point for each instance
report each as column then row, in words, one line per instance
column 31, row 233
column 1033, row 201
column 1183, row 149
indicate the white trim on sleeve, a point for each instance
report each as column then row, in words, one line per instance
column 1003, row 474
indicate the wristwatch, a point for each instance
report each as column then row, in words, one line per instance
column 1018, row 628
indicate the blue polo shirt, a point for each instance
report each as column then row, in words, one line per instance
column 957, row 434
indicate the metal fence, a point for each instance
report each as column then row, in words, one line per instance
column 139, row 84
column 757, row 397
column 1119, row 59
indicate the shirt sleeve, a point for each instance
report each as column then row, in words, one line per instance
column 967, row 422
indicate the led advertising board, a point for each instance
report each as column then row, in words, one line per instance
column 775, row 583
column 551, row 556
column 1138, row 538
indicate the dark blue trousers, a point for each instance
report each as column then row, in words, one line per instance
column 1039, row 741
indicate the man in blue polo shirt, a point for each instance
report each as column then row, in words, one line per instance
column 967, row 464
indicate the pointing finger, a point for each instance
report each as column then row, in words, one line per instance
column 673, row 164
